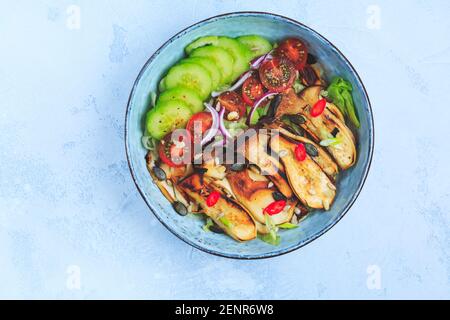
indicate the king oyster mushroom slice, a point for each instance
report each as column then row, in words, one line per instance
column 256, row 151
column 321, row 128
column 214, row 168
column 323, row 159
column 167, row 187
column 226, row 213
column 253, row 192
column 310, row 184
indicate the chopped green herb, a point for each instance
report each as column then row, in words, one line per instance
column 324, row 93
column 330, row 142
column 209, row 223
column 269, row 239
column 148, row 143
column 298, row 86
column 235, row 127
column 226, row 222
column 272, row 237
column 288, row 225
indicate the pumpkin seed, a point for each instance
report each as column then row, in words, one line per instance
column 159, row 173
column 311, row 59
column 297, row 119
column 180, row 208
column 238, row 167
column 335, row 132
column 200, row 170
column 277, row 196
column 275, row 103
column 215, row 228
column 295, row 129
column 311, row 150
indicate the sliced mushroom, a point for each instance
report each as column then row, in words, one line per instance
column 322, row 127
column 310, row 184
column 256, row 152
column 167, row 187
column 255, row 195
column 322, row 158
column 226, row 213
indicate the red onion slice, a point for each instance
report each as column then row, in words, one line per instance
column 258, row 61
column 257, row 104
column 215, row 124
column 225, row 133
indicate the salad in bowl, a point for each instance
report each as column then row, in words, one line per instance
column 250, row 135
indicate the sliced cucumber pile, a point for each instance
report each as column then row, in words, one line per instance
column 188, row 96
column 166, row 117
column 190, row 75
column 257, row 45
column 212, row 63
column 201, row 42
column 224, row 60
column 240, row 54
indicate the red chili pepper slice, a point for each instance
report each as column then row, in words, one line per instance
column 318, row 108
column 275, row 207
column 212, row 198
column 300, row 152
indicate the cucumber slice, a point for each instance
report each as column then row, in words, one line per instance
column 166, row 117
column 201, row 42
column 223, row 60
column 188, row 96
column 192, row 76
column 239, row 52
column 208, row 64
column 256, row 44
column 162, row 85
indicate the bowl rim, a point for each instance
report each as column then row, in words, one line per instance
column 313, row 237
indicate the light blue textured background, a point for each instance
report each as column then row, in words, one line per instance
column 67, row 198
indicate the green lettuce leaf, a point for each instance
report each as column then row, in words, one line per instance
column 268, row 238
column 340, row 91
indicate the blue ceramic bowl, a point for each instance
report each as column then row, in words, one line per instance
column 275, row 28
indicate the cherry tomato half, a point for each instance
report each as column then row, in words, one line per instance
column 175, row 148
column 294, row 50
column 199, row 124
column 252, row 90
column 277, row 74
column 232, row 102
column 300, row 152
column 275, row 207
column 318, row 108
column 212, row 198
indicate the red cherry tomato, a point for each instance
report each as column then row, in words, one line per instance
column 175, row 148
column 232, row 102
column 300, row 152
column 199, row 124
column 275, row 207
column 318, row 108
column 294, row 50
column 212, row 198
column 252, row 90
column 277, row 74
